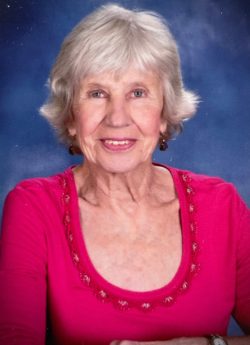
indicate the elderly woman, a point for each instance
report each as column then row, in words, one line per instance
column 118, row 248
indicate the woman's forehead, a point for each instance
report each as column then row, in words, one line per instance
column 132, row 75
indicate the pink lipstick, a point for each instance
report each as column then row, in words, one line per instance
column 118, row 144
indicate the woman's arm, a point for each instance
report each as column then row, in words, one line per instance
column 22, row 270
column 241, row 310
column 244, row 340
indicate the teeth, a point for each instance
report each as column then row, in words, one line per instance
column 116, row 142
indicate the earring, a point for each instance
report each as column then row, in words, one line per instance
column 163, row 145
column 74, row 150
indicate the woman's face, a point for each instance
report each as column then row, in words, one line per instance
column 117, row 119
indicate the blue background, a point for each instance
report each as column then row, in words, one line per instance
column 214, row 43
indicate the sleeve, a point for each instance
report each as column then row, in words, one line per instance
column 242, row 297
column 22, row 270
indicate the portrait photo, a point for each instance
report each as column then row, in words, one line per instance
column 125, row 164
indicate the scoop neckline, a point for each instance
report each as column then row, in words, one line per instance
column 112, row 289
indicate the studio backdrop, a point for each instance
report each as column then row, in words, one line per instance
column 214, row 44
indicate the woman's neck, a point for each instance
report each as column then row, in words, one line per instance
column 99, row 187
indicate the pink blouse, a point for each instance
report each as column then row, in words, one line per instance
column 47, row 277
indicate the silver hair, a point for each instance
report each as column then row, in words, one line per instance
column 111, row 39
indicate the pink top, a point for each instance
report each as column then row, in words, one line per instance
column 45, row 267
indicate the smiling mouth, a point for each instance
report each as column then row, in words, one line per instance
column 118, row 144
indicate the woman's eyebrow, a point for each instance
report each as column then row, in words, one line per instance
column 95, row 85
column 99, row 85
column 139, row 83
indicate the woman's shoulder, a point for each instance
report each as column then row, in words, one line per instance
column 203, row 181
column 44, row 182
column 37, row 188
column 212, row 189
column 212, row 196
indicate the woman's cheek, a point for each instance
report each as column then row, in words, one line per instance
column 152, row 123
column 88, row 147
column 88, row 124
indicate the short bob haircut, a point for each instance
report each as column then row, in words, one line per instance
column 111, row 39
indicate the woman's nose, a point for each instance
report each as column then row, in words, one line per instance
column 118, row 114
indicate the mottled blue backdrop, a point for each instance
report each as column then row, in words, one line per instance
column 214, row 42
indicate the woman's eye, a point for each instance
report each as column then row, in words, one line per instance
column 97, row 94
column 138, row 93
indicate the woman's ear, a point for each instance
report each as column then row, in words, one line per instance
column 72, row 129
column 71, row 125
column 163, row 125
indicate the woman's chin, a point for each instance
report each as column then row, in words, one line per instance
column 119, row 166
